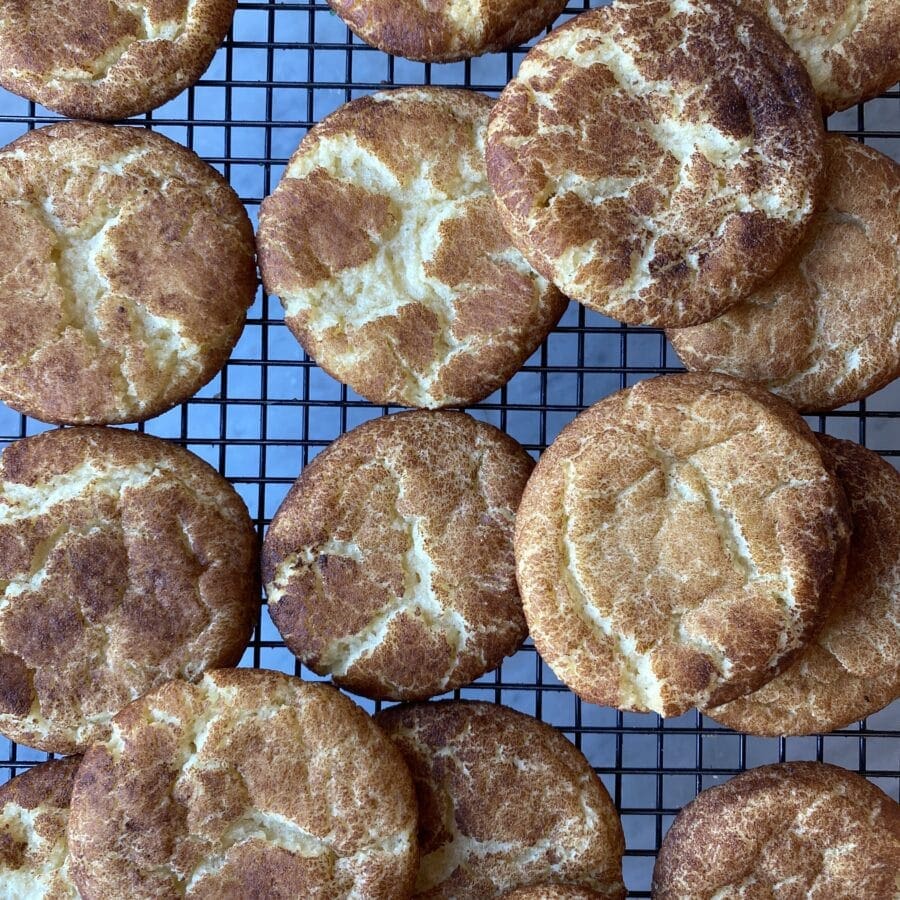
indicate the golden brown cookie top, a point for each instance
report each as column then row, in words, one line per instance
column 127, row 270
column 825, row 330
column 446, row 30
column 34, row 812
column 246, row 784
column 851, row 48
column 677, row 542
column 125, row 561
column 107, row 59
column 657, row 159
column 851, row 668
column 390, row 565
column 799, row 829
column 552, row 892
column 504, row 801
column 384, row 244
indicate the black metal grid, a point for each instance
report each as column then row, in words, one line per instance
column 282, row 68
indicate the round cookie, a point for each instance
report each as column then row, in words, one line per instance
column 677, row 543
column 246, row 784
column 851, row 50
column 504, row 801
column 125, row 561
column 552, row 892
column 851, row 668
column 127, row 270
column 108, row 59
column 825, row 330
column 799, row 829
column 384, row 244
column 446, row 30
column 390, row 564
column 686, row 177
column 34, row 812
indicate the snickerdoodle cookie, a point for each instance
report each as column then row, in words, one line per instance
column 825, row 329
column 851, row 668
column 390, row 565
column 384, row 244
column 677, row 543
column 504, row 801
column 851, row 48
column 125, row 274
column 107, row 59
column 446, row 30
column 793, row 830
column 125, row 561
column 246, row 784
column 657, row 159
column 34, row 813
column 552, row 892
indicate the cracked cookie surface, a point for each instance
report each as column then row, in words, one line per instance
column 389, row 565
column 552, row 892
column 677, row 544
column 504, row 801
column 793, row 830
column 684, row 179
column 126, row 274
column 851, row 668
column 851, row 48
column 825, row 329
column 446, row 30
column 34, row 813
column 124, row 561
column 246, row 784
column 107, row 59
column 384, row 245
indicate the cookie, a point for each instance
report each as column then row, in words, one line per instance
column 446, row 30
column 798, row 829
column 125, row 561
column 657, row 159
column 126, row 274
column 677, row 543
column 34, row 812
column 504, row 801
column 108, row 59
column 851, row 50
column 552, row 892
column 246, row 784
column 825, row 329
column 390, row 564
column 385, row 247
column 851, row 668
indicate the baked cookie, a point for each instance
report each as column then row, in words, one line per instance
column 657, row 159
column 552, row 892
column 851, row 668
column 384, row 244
column 390, row 564
column 799, row 829
column 126, row 272
column 504, row 801
column 825, row 329
column 446, row 30
column 108, row 59
column 851, row 50
column 677, row 543
column 246, row 784
column 34, row 812
column 125, row 561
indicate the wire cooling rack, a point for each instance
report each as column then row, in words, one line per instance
column 283, row 67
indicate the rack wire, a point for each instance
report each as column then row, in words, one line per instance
column 282, row 68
